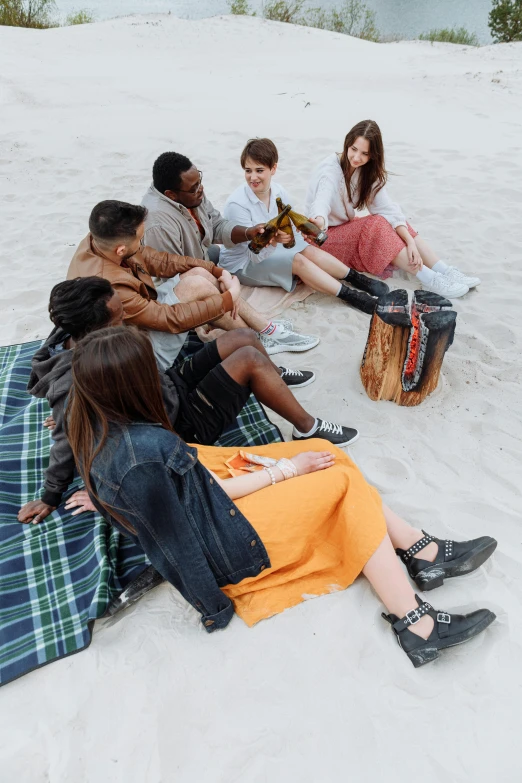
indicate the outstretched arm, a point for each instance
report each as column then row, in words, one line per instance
column 307, row 462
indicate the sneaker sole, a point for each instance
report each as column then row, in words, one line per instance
column 429, row 579
column 301, row 385
column 340, row 445
column 446, row 296
column 423, row 655
column 290, row 348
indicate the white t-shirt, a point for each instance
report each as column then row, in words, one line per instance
column 244, row 208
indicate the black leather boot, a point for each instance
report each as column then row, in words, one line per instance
column 368, row 284
column 454, row 558
column 448, row 631
column 357, row 299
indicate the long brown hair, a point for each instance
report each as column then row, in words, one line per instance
column 373, row 175
column 115, row 379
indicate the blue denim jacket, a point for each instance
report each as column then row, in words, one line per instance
column 191, row 531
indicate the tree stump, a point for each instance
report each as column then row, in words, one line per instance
column 406, row 346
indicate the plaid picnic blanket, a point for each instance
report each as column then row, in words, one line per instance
column 57, row 577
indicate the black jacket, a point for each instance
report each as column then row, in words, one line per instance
column 51, row 377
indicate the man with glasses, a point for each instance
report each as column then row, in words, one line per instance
column 182, row 220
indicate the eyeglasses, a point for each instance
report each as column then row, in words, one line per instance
column 194, row 189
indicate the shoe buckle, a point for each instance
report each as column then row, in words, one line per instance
column 412, row 617
column 443, row 617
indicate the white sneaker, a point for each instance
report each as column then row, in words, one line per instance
column 285, row 323
column 445, row 286
column 456, row 276
column 288, row 341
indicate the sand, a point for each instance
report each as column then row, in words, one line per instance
column 320, row 693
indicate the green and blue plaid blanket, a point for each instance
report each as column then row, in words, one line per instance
column 57, row 577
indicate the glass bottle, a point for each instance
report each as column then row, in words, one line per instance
column 306, row 226
column 271, row 228
column 286, row 225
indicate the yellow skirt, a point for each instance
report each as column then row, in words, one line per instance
column 319, row 530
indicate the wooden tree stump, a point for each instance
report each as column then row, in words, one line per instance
column 406, row 346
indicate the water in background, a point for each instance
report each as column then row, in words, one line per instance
column 407, row 18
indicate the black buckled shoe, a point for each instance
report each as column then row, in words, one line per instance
column 357, row 299
column 454, row 558
column 368, row 284
column 448, row 630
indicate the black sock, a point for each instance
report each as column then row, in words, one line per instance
column 346, row 275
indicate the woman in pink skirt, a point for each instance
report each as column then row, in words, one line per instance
column 355, row 180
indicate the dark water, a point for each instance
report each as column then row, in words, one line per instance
column 407, row 18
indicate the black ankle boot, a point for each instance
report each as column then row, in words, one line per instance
column 145, row 581
column 357, row 299
column 368, row 284
column 448, row 631
column 454, row 558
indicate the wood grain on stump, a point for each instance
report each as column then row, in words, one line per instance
column 406, row 346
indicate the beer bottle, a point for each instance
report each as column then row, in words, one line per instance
column 271, row 228
column 286, row 226
column 306, row 226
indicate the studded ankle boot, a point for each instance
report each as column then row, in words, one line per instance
column 454, row 558
column 448, row 630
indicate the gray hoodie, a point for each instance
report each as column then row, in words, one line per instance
column 51, row 377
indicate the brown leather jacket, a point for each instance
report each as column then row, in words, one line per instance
column 136, row 289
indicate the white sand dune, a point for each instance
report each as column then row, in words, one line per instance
column 321, row 693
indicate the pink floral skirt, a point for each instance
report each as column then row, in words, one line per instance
column 367, row 244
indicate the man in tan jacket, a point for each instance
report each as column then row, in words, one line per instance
column 113, row 250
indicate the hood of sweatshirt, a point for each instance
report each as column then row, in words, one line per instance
column 51, row 374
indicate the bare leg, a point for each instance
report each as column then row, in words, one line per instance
column 385, row 574
column 314, row 276
column 326, row 261
column 429, row 258
column 249, row 367
column 198, row 284
column 403, row 535
column 230, row 342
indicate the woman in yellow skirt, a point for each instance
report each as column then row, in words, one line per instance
column 306, row 524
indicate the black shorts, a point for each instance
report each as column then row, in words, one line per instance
column 209, row 399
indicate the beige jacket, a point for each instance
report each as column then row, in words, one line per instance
column 170, row 226
column 136, row 290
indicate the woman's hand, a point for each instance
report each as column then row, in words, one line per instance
column 81, row 502
column 34, row 511
column 414, row 257
column 310, row 461
column 281, row 238
column 320, row 222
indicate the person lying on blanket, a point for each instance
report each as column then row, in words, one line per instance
column 305, row 525
column 202, row 396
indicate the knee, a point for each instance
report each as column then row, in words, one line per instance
column 194, row 287
column 249, row 356
column 199, row 272
column 299, row 262
column 246, row 337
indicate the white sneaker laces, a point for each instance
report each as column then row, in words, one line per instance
column 288, row 371
column 329, row 426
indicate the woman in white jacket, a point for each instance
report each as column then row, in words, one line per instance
column 355, row 180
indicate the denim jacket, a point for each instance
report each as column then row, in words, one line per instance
column 191, row 531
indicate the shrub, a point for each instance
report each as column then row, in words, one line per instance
column 240, row 8
column 352, row 18
column 284, row 10
column 80, row 17
column 505, row 21
column 458, row 35
column 27, row 13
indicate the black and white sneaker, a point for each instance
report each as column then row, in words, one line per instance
column 335, row 433
column 297, row 378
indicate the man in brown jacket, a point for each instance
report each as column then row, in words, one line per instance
column 113, row 250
